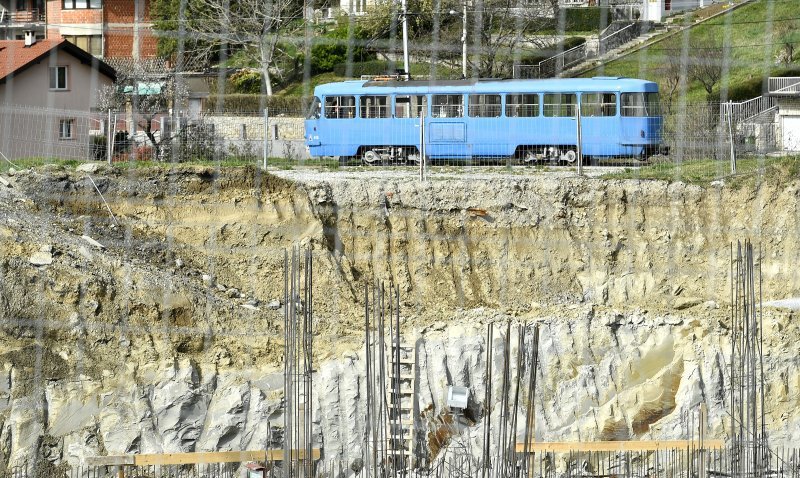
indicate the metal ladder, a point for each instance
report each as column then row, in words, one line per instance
column 401, row 394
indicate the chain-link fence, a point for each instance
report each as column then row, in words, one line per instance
column 712, row 136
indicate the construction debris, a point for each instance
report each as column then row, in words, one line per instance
column 92, row 242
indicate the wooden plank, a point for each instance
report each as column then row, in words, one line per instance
column 110, row 460
column 219, row 457
column 633, row 445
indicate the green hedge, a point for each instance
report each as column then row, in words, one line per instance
column 584, row 19
column 248, row 103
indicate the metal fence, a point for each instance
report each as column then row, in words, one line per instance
column 52, row 134
column 709, row 135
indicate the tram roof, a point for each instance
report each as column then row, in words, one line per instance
column 553, row 85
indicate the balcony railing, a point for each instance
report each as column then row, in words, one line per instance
column 21, row 17
column 788, row 85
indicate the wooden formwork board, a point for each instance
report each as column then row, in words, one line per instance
column 199, row 457
column 632, row 445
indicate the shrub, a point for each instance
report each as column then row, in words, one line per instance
column 326, row 56
column 198, row 141
column 144, row 153
column 97, row 148
column 245, row 81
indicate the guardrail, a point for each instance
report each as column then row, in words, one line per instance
column 746, row 110
column 553, row 65
column 24, row 16
column 784, row 85
column 617, row 38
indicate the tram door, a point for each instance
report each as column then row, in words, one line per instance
column 407, row 112
column 446, row 129
column 599, row 124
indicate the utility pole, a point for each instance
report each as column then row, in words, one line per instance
column 406, row 67
column 579, row 143
column 464, row 41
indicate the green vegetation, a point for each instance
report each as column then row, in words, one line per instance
column 252, row 103
column 586, row 19
column 703, row 172
column 536, row 56
column 297, row 88
column 28, row 163
column 751, row 59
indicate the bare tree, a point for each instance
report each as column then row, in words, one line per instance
column 785, row 33
column 148, row 95
column 253, row 29
column 500, row 29
column 672, row 73
column 705, row 66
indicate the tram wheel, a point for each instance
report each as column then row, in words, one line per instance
column 371, row 158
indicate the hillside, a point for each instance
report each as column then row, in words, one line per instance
column 755, row 47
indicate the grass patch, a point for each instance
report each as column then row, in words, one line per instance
column 775, row 170
column 36, row 162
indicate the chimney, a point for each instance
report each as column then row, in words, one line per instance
column 30, row 38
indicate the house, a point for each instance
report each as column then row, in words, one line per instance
column 657, row 10
column 47, row 91
column 786, row 93
column 104, row 28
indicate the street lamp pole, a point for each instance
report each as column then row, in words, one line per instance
column 464, row 41
column 405, row 39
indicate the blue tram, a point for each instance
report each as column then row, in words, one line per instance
column 379, row 120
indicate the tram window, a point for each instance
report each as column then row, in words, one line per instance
column 315, row 110
column 522, row 106
column 484, row 106
column 640, row 104
column 374, row 106
column 340, row 107
column 599, row 104
column 560, row 105
column 447, row 106
column 409, row 106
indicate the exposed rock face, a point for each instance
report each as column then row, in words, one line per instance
column 141, row 347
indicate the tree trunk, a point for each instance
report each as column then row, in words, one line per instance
column 266, row 60
column 148, row 131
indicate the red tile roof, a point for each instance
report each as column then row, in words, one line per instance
column 14, row 55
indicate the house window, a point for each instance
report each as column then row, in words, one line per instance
column 484, row 106
column 22, row 5
column 81, row 4
column 90, row 43
column 66, row 129
column 58, row 77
